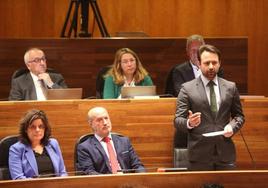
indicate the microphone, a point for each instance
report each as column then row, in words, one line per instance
column 131, row 170
column 126, row 171
column 70, row 173
column 138, row 170
column 251, row 157
column 152, row 169
column 171, row 169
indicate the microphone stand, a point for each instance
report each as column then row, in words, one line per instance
column 251, row 157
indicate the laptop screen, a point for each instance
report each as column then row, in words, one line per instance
column 66, row 93
column 131, row 92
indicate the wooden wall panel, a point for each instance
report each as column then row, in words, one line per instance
column 158, row 18
column 36, row 18
column 258, row 46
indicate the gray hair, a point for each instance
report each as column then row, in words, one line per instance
column 27, row 53
column 192, row 38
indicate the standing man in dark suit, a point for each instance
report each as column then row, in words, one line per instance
column 185, row 72
column 32, row 84
column 94, row 155
column 207, row 104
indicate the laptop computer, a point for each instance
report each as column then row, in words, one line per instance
column 66, row 93
column 138, row 91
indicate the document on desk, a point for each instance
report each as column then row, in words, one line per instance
column 216, row 133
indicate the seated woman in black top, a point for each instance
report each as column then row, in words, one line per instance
column 36, row 154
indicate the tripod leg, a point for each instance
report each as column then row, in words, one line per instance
column 74, row 20
column 84, row 19
column 66, row 19
column 99, row 19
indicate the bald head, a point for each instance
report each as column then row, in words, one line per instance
column 99, row 121
column 94, row 112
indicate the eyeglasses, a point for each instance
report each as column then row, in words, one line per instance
column 125, row 61
column 38, row 60
column 34, row 127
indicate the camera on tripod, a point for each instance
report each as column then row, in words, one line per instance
column 84, row 4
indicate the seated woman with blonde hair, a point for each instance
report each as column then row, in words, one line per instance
column 127, row 70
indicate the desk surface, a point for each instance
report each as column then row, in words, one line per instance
column 148, row 123
column 230, row 179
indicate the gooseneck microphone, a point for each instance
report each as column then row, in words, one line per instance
column 251, row 157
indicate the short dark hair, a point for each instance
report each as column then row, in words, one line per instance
column 208, row 48
column 27, row 120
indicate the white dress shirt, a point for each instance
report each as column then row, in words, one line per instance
column 197, row 71
column 216, row 89
column 38, row 88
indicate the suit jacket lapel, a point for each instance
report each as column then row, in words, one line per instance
column 53, row 157
column 116, row 142
column 31, row 159
column 202, row 94
column 223, row 92
column 190, row 70
column 30, row 87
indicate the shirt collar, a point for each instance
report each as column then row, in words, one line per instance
column 132, row 83
column 194, row 66
column 35, row 78
column 206, row 81
column 100, row 138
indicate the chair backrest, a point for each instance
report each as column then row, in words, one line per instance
column 22, row 71
column 169, row 89
column 100, row 81
column 19, row 72
column 180, row 158
column 79, row 141
column 5, row 144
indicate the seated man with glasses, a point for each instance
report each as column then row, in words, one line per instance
column 32, row 85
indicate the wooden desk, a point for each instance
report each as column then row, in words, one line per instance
column 228, row 179
column 148, row 123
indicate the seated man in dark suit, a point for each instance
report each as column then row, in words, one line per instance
column 105, row 153
column 32, row 84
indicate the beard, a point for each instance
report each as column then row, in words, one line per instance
column 210, row 74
